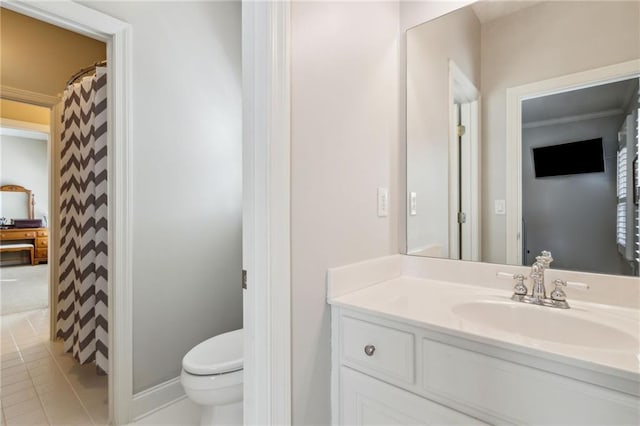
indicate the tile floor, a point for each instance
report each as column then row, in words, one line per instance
column 42, row 385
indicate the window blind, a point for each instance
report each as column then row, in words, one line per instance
column 621, row 185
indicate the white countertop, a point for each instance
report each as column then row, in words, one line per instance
column 431, row 304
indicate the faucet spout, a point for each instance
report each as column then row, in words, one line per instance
column 538, row 290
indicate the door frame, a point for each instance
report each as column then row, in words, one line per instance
column 266, row 254
column 117, row 35
column 462, row 90
column 515, row 97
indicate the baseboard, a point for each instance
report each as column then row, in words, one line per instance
column 157, row 397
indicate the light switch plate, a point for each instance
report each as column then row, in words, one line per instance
column 413, row 204
column 500, row 207
column 383, row 202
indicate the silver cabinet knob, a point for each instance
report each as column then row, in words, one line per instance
column 369, row 350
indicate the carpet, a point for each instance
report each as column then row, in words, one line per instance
column 23, row 288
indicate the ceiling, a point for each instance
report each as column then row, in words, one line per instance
column 607, row 99
column 488, row 10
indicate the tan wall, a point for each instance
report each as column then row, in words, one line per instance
column 24, row 112
column 40, row 57
column 344, row 145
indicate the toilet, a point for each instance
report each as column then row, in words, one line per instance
column 212, row 378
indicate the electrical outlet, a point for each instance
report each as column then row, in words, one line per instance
column 500, row 207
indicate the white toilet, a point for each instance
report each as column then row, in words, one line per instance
column 212, row 377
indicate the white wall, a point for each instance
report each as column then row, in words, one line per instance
column 187, row 170
column 23, row 162
column 345, row 69
column 533, row 45
column 455, row 36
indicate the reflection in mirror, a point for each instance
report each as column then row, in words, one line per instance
column 16, row 202
column 499, row 92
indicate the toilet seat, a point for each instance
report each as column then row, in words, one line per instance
column 218, row 355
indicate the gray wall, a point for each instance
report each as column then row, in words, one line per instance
column 23, row 161
column 573, row 216
column 187, row 171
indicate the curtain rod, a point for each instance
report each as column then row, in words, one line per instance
column 83, row 71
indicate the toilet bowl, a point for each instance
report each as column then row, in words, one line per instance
column 212, row 378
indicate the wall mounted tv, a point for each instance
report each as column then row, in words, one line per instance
column 569, row 158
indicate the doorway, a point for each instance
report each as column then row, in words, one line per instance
column 24, row 192
column 47, row 386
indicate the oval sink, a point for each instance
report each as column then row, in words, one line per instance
column 548, row 324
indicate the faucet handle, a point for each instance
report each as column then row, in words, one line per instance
column 558, row 293
column 519, row 288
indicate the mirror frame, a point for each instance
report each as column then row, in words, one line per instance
column 17, row 188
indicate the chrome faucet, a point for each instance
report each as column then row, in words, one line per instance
column 538, row 291
column 538, row 296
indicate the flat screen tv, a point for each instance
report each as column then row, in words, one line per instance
column 569, row 158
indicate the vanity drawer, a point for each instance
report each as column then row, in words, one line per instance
column 17, row 235
column 381, row 350
column 42, row 233
column 41, row 253
column 42, row 242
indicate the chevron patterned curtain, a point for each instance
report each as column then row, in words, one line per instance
column 82, row 292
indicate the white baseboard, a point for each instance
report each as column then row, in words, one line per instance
column 156, row 398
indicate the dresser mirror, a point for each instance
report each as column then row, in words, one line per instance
column 522, row 134
column 16, row 202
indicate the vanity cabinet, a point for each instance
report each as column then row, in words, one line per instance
column 389, row 372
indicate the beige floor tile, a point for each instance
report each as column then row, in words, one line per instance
column 13, row 370
column 49, row 379
column 60, row 396
column 15, row 387
column 19, row 376
column 68, row 393
column 70, row 419
column 44, row 362
column 12, row 363
column 8, row 356
column 58, row 410
column 22, row 408
column 18, row 397
column 34, row 418
column 35, row 356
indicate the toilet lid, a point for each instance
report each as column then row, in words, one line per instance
column 217, row 355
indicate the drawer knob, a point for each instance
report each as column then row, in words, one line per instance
column 369, row 350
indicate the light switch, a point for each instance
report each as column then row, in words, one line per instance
column 500, row 207
column 383, row 202
column 413, row 204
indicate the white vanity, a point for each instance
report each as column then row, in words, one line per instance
column 434, row 341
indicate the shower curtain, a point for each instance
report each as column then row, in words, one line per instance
column 82, row 317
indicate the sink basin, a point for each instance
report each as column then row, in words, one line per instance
column 547, row 324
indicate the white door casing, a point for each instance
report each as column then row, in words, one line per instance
column 266, row 212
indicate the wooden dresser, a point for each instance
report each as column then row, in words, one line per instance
column 39, row 237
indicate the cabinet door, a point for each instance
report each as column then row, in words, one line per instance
column 366, row 401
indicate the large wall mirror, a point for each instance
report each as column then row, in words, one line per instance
column 522, row 134
column 16, row 202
